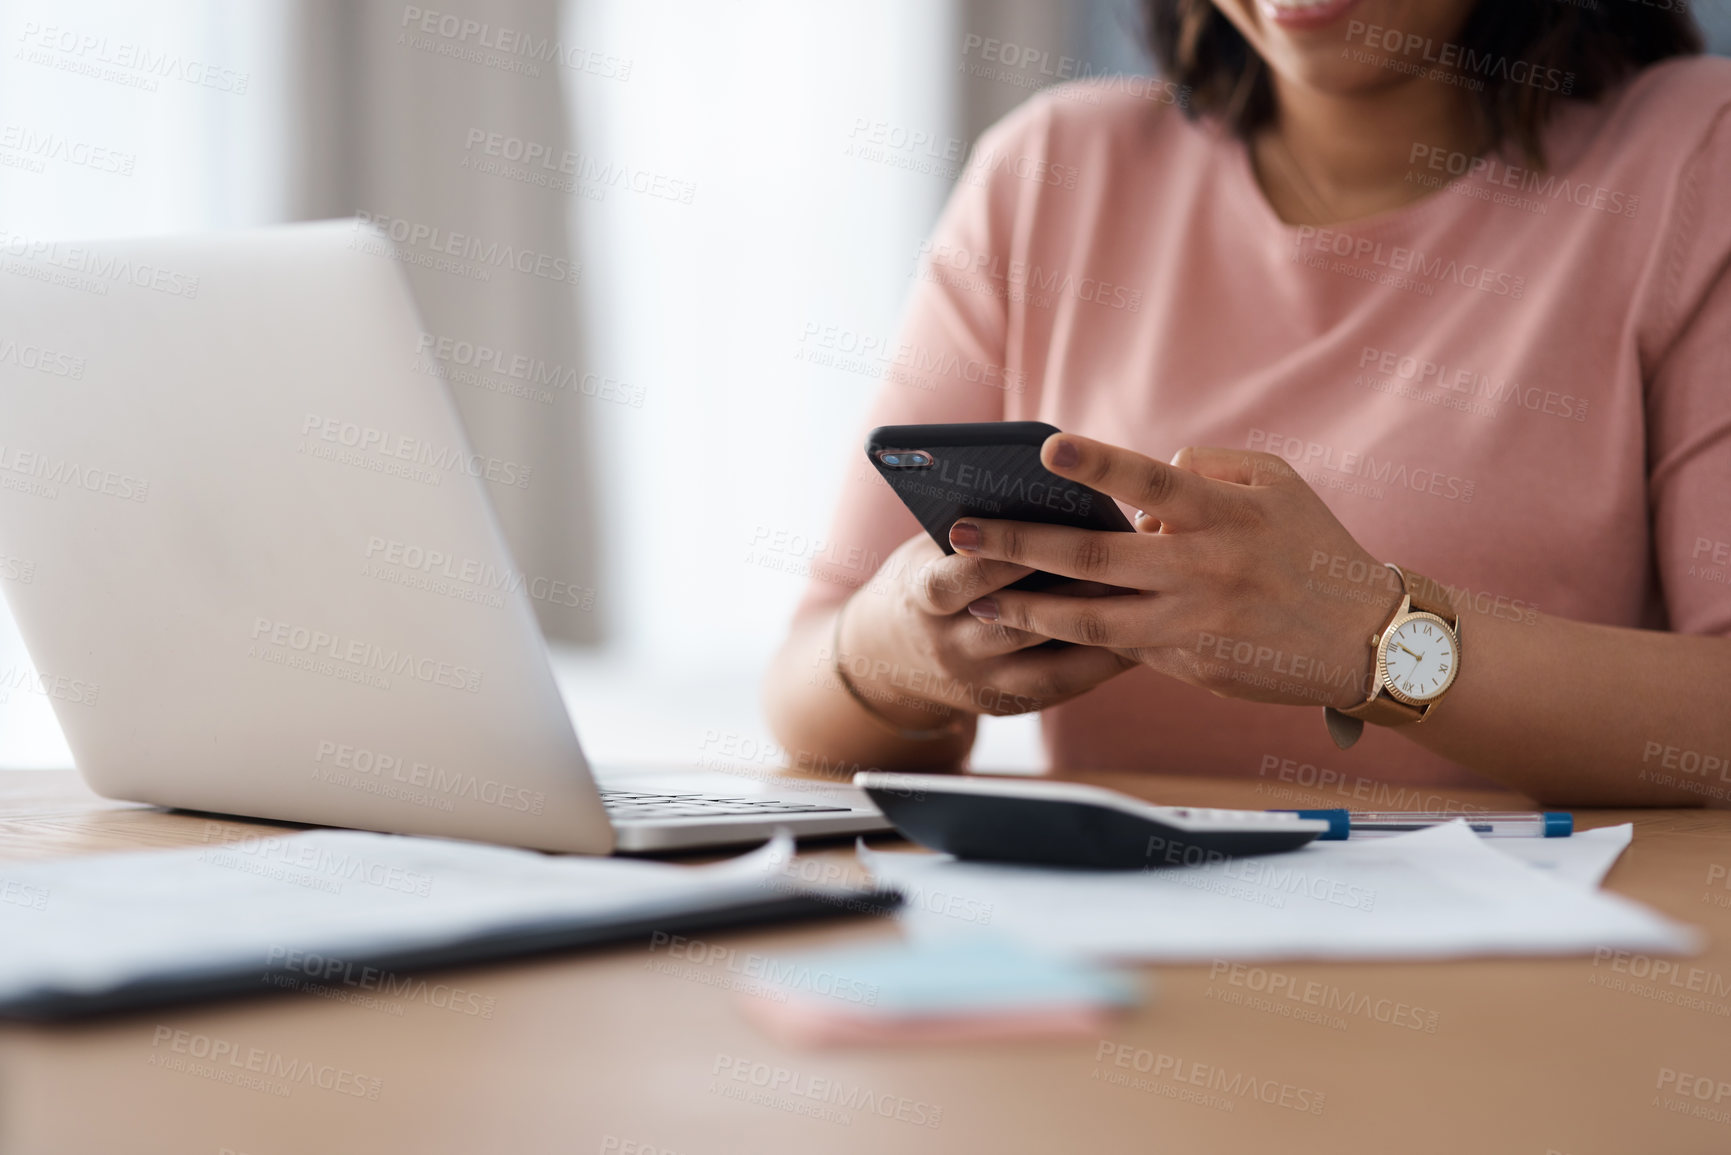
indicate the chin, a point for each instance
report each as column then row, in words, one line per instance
column 1335, row 77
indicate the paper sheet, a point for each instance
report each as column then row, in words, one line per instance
column 1581, row 859
column 1437, row 893
column 89, row 923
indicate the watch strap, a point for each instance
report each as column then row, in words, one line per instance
column 1383, row 710
column 1429, row 597
column 1343, row 728
column 1347, row 726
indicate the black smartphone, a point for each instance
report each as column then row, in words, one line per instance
column 985, row 469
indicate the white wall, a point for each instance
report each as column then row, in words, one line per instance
column 93, row 143
column 715, row 492
column 705, row 305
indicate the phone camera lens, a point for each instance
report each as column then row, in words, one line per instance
column 904, row 459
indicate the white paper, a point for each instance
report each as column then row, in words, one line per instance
column 88, row 923
column 1437, row 893
column 1581, row 859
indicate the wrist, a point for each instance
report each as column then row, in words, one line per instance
column 1358, row 643
column 881, row 688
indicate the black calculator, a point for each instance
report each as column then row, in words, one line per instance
column 1045, row 823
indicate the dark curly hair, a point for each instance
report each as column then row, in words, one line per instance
column 1594, row 44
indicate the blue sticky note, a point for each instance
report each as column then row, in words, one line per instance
column 968, row 975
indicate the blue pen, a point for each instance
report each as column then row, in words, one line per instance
column 1490, row 824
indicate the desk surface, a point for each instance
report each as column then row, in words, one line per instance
column 609, row 1051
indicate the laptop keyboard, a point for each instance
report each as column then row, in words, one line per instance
column 636, row 805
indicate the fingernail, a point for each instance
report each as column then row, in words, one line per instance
column 986, row 609
column 1065, row 454
column 965, row 535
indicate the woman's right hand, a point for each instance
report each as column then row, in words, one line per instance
column 910, row 647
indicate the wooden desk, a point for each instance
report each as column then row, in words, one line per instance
column 601, row 1052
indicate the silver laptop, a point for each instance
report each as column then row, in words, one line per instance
column 265, row 576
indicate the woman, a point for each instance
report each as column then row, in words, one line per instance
column 1442, row 286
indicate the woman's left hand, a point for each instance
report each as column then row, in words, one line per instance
column 1239, row 579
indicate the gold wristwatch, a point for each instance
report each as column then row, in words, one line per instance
column 1418, row 656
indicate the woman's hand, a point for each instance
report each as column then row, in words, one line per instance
column 910, row 646
column 1235, row 566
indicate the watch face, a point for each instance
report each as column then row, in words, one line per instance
column 1418, row 659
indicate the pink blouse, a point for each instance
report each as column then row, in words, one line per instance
column 1519, row 385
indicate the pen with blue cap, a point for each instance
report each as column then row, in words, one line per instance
column 1489, row 824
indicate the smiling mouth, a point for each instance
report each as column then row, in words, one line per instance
column 1304, row 13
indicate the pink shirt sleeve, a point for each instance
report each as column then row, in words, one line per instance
column 949, row 365
column 1687, row 347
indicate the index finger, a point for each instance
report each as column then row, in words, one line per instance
column 946, row 585
column 1176, row 497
